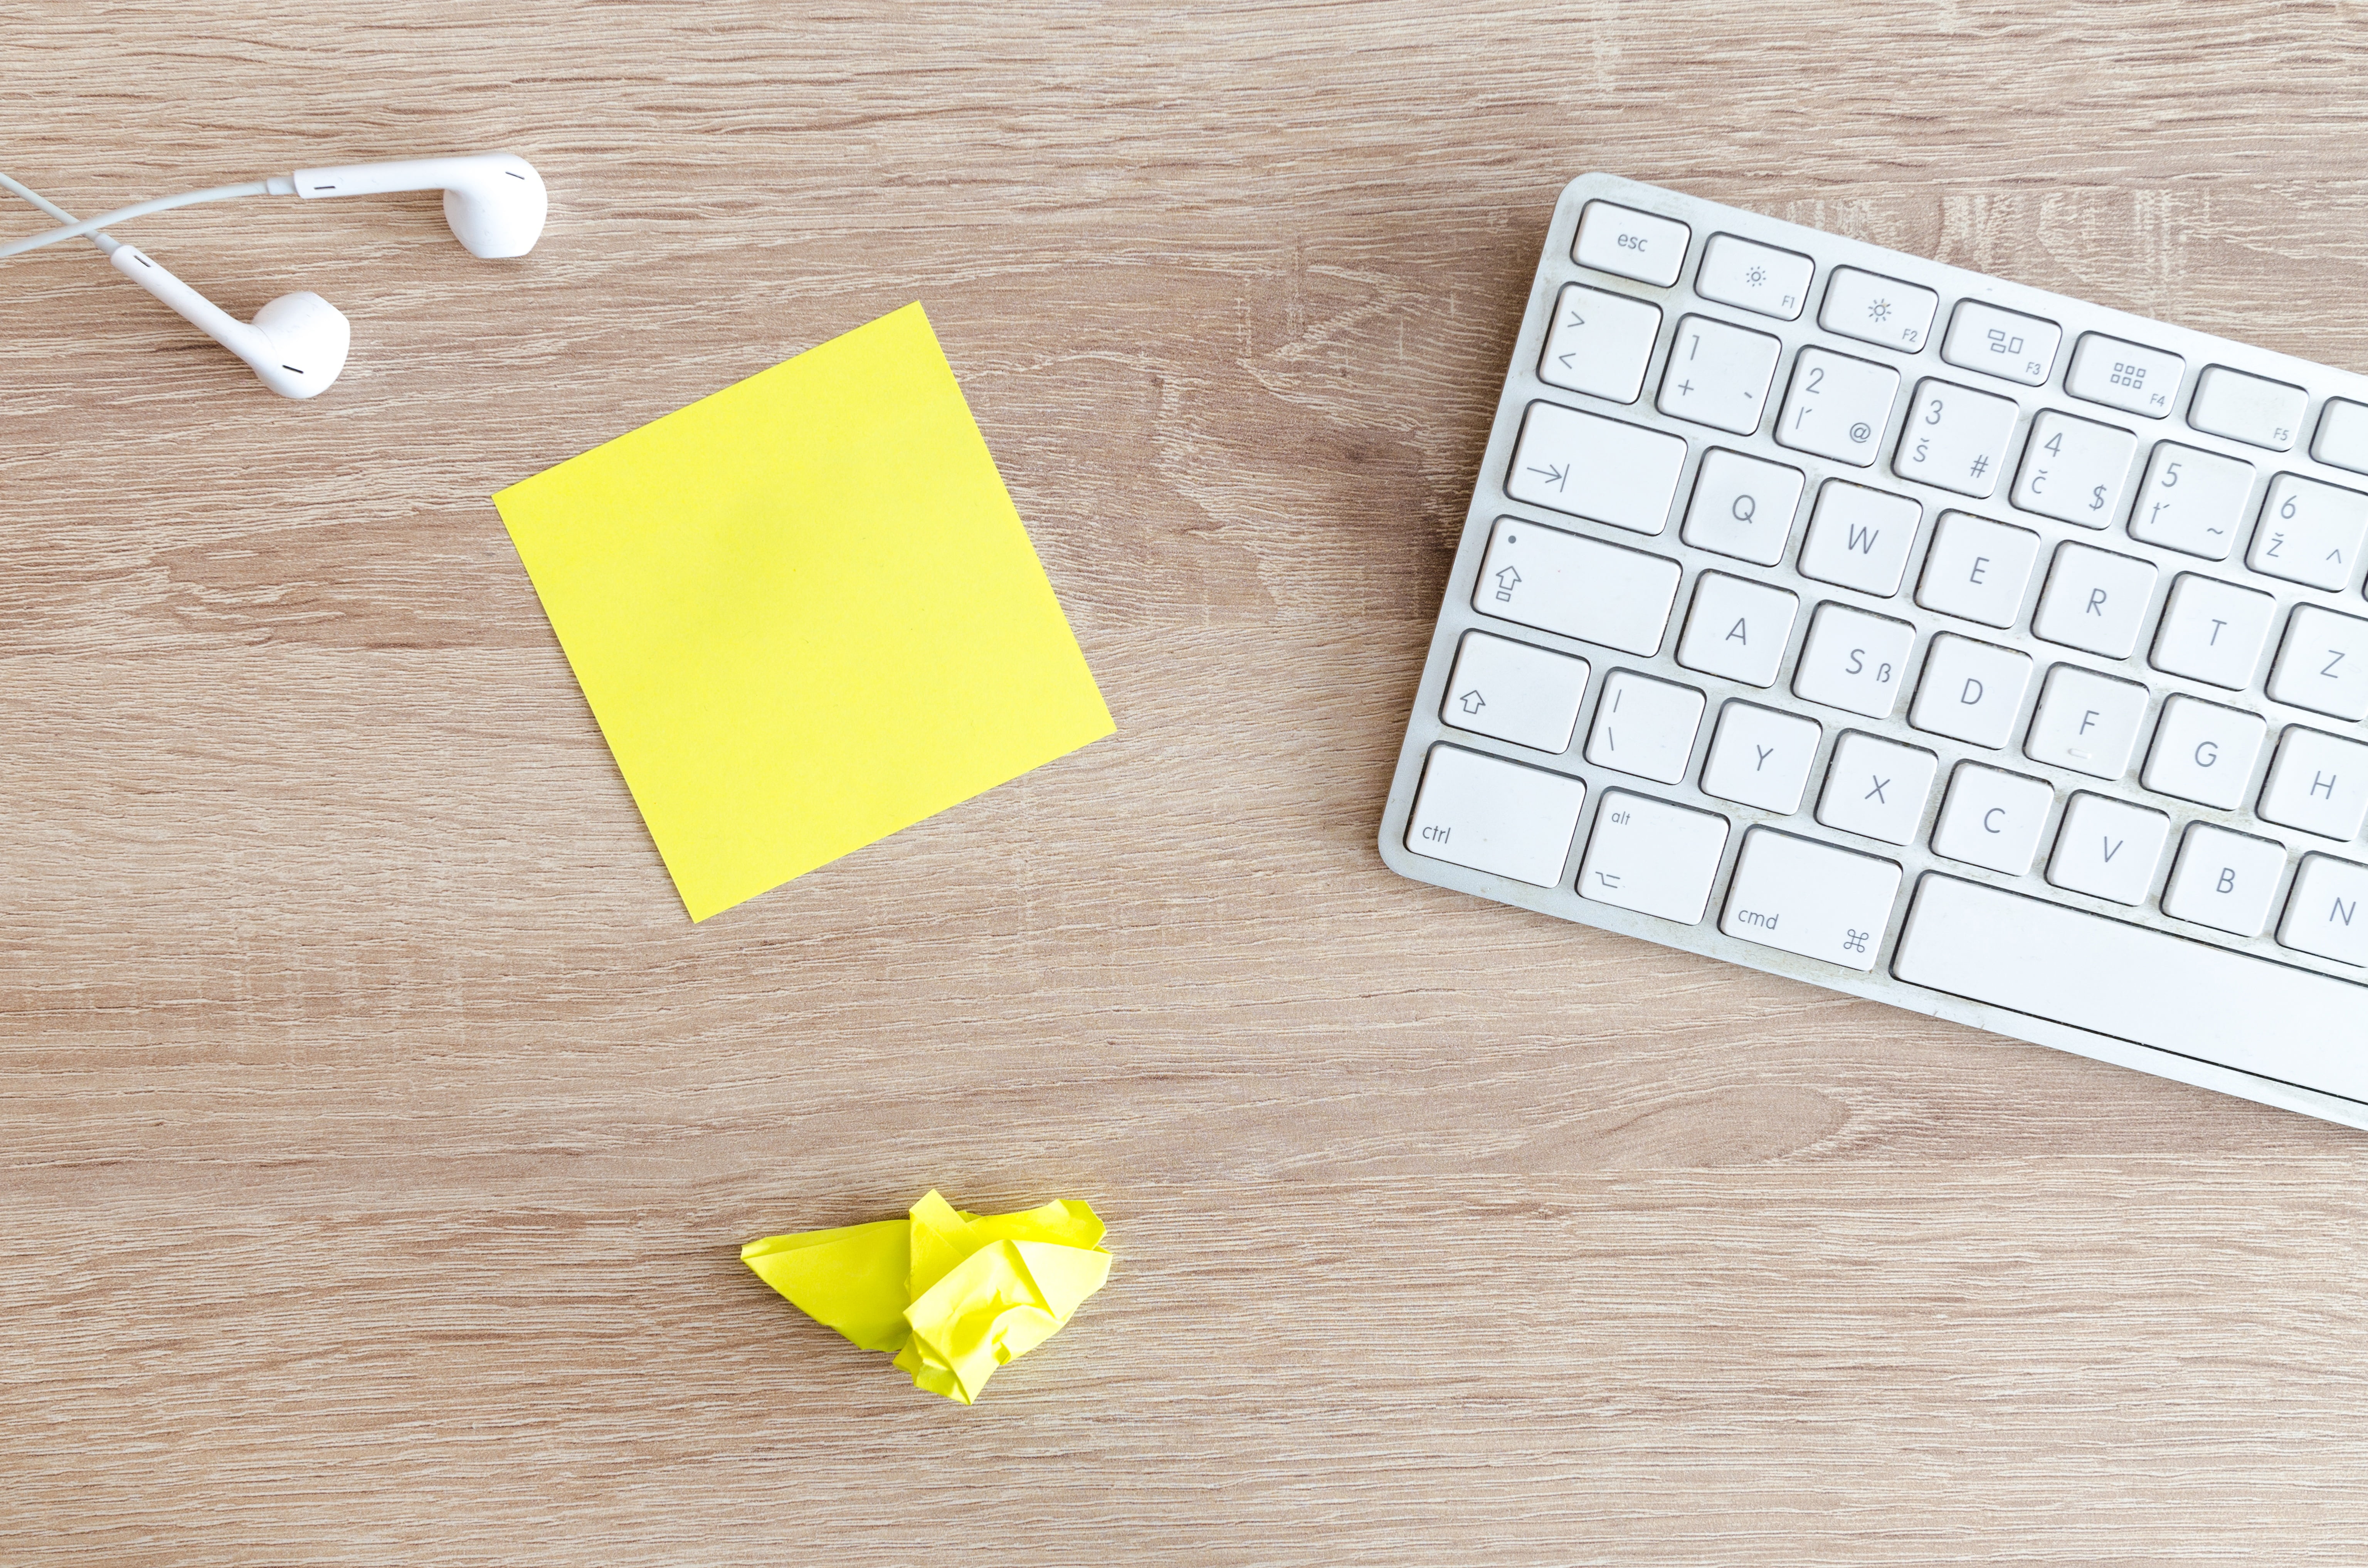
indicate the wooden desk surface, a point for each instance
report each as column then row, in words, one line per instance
column 377, row 1136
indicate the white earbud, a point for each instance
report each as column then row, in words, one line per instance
column 495, row 201
column 296, row 342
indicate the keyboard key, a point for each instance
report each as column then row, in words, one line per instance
column 2192, row 501
column 2004, row 343
column 2086, row 721
column 1652, row 856
column 1859, row 538
column 2323, row 912
column 1970, row 691
column 1495, row 816
column 2127, row 376
column 1636, row 244
column 1515, row 692
column 1718, row 374
column 2318, row 784
column 2343, row 438
column 2309, row 532
column 2108, row 848
column 1644, row 726
column 1596, row 468
column 1977, row 569
column 2323, row 664
column 2073, row 470
column 1737, row 628
column 1742, row 506
column 2203, row 752
column 2094, row 599
column 1811, row 899
column 2132, row 983
column 1875, row 309
column 1600, row 344
column 2212, row 631
column 1836, row 406
column 1760, row 758
column 1853, row 661
column 1992, row 818
column 1955, row 438
column 1579, row 588
column 2226, row 880
column 1758, row 277
column 2252, row 409
column 1876, row 788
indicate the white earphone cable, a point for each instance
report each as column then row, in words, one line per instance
column 139, row 209
column 104, row 242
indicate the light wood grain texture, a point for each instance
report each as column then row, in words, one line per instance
column 376, row 1136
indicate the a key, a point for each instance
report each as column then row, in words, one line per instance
column 1742, row 506
column 1812, row 899
column 2343, row 438
column 1876, row 788
column 1495, row 816
column 2108, row 848
column 2128, row 376
column 2073, row 470
column 1992, row 818
column 2192, row 501
column 2212, row 631
column 1859, row 536
column 2132, row 982
column 2094, row 599
column 2323, row 664
column 1652, row 856
column 1737, row 628
column 2086, row 721
column 1759, row 278
column 1644, row 726
column 1580, row 587
column 2323, row 911
column 1955, row 438
column 2308, row 532
column 2006, row 344
column 1875, row 309
column 1977, row 569
column 1718, row 374
column 2318, row 783
column 1636, row 244
column 1527, row 695
column 1836, row 406
column 1970, row 691
column 2203, row 752
column 1853, row 661
column 2226, row 880
column 1760, row 758
column 1600, row 343
column 1596, row 468
column 2252, row 409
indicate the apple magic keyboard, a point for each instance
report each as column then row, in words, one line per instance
column 1919, row 635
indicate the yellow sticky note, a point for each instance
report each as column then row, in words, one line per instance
column 951, row 1295
column 804, row 612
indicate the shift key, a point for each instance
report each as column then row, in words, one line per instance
column 1810, row 898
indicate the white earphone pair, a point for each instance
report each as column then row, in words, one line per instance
column 297, row 343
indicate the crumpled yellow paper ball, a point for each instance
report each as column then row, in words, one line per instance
column 952, row 1295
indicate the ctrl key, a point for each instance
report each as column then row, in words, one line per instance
column 1809, row 898
column 1493, row 815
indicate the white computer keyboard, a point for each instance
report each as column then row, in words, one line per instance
column 1919, row 635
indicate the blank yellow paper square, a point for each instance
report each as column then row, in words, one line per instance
column 804, row 612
